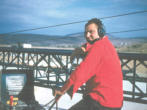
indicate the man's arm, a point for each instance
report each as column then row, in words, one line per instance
column 82, row 73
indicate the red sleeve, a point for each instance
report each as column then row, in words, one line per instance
column 85, row 70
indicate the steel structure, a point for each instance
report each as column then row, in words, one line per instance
column 52, row 67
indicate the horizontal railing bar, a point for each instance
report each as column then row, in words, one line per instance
column 142, row 56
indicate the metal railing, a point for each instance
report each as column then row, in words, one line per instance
column 53, row 66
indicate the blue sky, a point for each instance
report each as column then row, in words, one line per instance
column 27, row 14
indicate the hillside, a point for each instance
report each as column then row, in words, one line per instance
column 135, row 48
column 41, row 40
column 137, row 44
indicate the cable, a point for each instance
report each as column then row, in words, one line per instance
column 43, row 27
column 141, row 29
column 128, row 31
column 131, row 13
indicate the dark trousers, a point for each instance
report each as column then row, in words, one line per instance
column 88, row 103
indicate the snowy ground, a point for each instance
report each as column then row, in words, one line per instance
column 44, row 95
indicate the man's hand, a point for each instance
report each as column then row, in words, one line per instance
column 77, row 53
column 57, row 94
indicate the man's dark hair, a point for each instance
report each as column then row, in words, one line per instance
column 98, row 22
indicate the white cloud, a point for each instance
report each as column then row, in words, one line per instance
column 35, row 11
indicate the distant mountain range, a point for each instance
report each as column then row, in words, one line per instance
column 71, row 40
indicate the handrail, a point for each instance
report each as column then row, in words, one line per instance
column 57, row 64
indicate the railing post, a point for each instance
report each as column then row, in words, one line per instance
column 134, row 78
column 3, row 66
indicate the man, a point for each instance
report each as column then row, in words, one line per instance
column 100, row 70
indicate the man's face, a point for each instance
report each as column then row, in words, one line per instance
column 91, row 32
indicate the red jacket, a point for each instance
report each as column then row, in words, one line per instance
column 101, row 71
